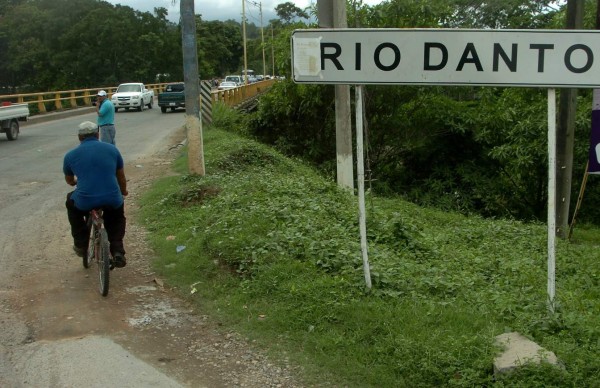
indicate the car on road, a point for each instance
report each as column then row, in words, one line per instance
column 173, row 97
column 227, row 85
column 132, row 95
column 235, row 78
column 10, row 115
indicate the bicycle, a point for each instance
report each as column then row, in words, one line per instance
column 98, row 249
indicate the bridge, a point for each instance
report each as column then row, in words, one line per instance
column 51, row 101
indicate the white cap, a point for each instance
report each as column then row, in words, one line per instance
column 87, row 128
column 101, row 93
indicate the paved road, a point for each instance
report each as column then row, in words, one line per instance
column 31, row 167
column 55, row 327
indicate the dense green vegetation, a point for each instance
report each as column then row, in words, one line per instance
column 272, row 250
column 70, row 44
column 473, row 150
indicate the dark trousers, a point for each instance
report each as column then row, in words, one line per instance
column 114, row 222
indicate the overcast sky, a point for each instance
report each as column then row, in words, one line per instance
column 220, row 9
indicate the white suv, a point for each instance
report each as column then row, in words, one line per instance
column 234, row 78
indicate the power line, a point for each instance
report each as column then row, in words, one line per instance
column 256, row 4
column 259, row 5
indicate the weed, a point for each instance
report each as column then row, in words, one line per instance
column 268, row 236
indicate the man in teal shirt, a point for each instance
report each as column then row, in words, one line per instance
column 106, row 118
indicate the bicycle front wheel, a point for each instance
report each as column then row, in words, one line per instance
column 103, row 262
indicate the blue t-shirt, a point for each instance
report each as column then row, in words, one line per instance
column 106, row 113
column 95, row 165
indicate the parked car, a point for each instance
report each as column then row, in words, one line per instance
column 227, row 85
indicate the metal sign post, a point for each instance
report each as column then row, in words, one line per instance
column 360, row 175
column 551, row 197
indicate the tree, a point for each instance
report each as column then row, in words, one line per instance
column 57, row 44
column 221, row 48
column 5, row 5
column 288, row 12
column 26, row 46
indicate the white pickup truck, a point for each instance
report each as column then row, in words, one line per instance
column 10, row 115
column 132, row 95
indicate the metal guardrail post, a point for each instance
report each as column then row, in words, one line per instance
column 41, row 105
column 86, row 98
column 73, row 100
column 57, row 101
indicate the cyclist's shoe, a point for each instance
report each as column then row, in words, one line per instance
column 120, row 261
column 81, row 252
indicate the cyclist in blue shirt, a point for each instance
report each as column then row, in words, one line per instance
column 106, row 118
column 96, row 168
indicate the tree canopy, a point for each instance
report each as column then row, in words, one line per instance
column 288, row 11
column 60, row 44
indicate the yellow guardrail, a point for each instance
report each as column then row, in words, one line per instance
column 233, row 97
column 68, row 99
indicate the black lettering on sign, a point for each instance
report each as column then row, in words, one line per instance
column 469, row 56
column 333, row 57
column 590, row 58
column 578, row 58
column 427, row 59
column 511, row 62
column 541, row 50
column 377, row 55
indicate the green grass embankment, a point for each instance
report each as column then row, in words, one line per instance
column 272, row 250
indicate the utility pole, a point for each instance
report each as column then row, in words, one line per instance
column 262, row 35
column 272, row 51
column 192, row 88
column 262, row 32
column 565, row 135
column 333, row 14
column 244, row 37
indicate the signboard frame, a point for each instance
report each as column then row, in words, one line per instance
column 470, row 57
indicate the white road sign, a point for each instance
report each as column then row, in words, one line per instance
column 527, row 58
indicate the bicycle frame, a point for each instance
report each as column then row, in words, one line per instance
column 96, row 218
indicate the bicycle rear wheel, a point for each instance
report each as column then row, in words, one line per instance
column 103, row 256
